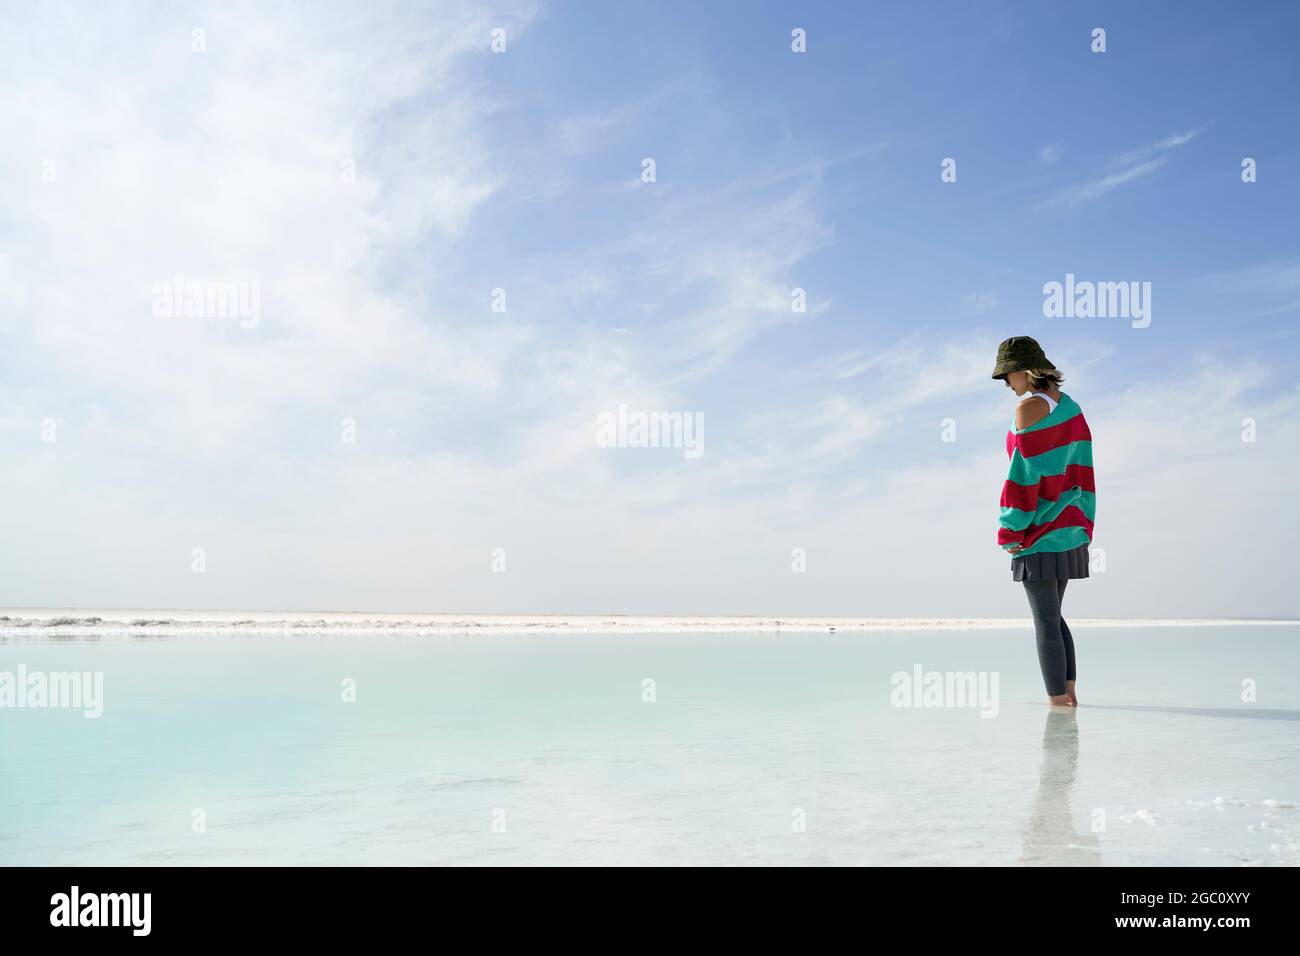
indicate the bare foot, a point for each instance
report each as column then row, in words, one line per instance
column 1069, row 692
column 1060, row 700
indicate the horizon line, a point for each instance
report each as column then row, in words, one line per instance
column 18, row 620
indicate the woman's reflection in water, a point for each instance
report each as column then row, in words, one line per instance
column 1050, row 838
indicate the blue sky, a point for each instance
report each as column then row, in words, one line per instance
column 521, row 170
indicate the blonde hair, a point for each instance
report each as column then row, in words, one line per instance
column 1042, row 378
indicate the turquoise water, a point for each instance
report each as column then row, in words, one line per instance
column 757, row 749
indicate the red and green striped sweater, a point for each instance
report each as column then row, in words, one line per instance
column 1049, row 500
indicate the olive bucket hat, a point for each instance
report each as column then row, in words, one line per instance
column 1017, row 354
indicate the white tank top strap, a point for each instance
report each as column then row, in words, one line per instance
column 1051, row 402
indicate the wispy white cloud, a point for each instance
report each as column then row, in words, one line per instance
column 1131, row 166
column 1160, row 146
column 1086, row 192
column 587, row 131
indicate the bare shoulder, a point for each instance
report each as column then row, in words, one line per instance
column 1030, row 412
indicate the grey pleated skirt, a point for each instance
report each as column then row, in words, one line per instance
column 1051, row 565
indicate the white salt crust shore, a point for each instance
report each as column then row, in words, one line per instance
column 31, row 622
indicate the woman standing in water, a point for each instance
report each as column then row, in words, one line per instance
column 1048, row 502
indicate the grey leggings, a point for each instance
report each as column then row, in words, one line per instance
column 1055, row 645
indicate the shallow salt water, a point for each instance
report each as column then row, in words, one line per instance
column 758, row 748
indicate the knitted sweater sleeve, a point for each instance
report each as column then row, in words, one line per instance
column 1019, row 500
